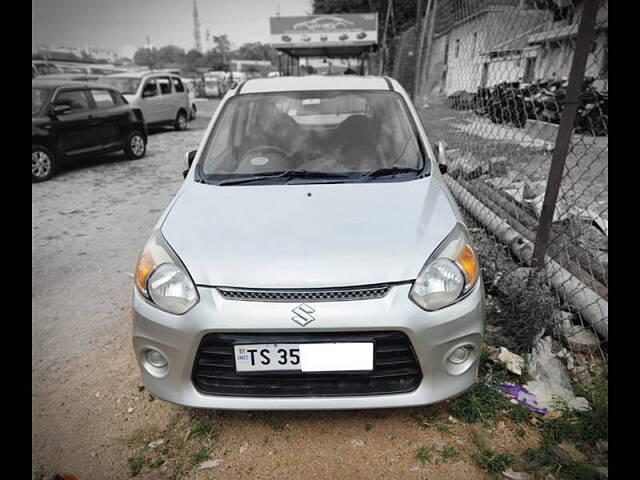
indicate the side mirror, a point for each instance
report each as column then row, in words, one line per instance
column 188, row 159
column 61, row 109
column 442, row 159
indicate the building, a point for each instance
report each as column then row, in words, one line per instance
column 553, row 47
column 521, row 41
column 483, row 48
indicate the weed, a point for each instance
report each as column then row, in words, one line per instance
column 448, row 452
column 444, row 427
column 136, row 464
column 520, row 433
column 368, row 427
column 202, row 428
column 479, row 404
column 424, row 454
column 157, row 463
column 491, row 460
column 200, row 455
column 519, row 413
column 426, row 417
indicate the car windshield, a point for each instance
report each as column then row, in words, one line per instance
column 39, row 98
column 126, row 85
column 340, row 133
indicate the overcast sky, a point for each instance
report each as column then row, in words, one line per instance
column 118, row 23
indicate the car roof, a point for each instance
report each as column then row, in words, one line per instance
column 141, row 74
column 53, row 83
column 315, row 82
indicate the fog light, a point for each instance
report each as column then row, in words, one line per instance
column 155, row 358
column 459, row 355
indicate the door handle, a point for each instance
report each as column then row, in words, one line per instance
column 94, row 121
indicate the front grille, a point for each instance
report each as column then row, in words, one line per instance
column 307, row 295
column 395, row 369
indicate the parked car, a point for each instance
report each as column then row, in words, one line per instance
column 191, row 89
column 75, row 119
column 161, row 96
column 316, row 264
column 215, row 84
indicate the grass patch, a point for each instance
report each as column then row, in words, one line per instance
column 449, row 453
column 520, row 433
column 433, row 454
column 136, row 464
column 368, row 427
column 479, row 404
column 204, row 428
column 491, row 460
column 157, row 463
column 200, row 456
column 424, row 454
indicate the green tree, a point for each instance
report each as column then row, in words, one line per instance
column 171, row 54
column 222, row 46
column 146, row 57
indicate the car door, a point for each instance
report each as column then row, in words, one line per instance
column 168, row 104
column 76, row 130
column 113, row 115
column 151, row 101
column 181, row 96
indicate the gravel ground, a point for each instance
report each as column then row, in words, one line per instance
column 90, row 417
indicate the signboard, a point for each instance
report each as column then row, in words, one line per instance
column 333, row 30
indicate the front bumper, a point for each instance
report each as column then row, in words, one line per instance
column 433, row 336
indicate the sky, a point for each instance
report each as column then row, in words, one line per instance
column 114, row 24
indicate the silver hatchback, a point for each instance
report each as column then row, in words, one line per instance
column 312, row 259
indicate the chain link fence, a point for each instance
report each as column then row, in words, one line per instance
column 518, row 92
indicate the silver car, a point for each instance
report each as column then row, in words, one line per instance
column 162, row 96
column 312, row 259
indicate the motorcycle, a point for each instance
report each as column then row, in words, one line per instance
column 592, row 114
column 506, row 104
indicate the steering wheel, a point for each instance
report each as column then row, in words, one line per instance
column 265, row 149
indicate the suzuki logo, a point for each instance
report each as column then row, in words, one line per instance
column 303, row 314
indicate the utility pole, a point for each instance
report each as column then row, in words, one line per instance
column 196, row 28
column 384, row 37
column 427, row 62
column 416, row 82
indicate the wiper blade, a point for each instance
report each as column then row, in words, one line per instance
column 388, row 171
column 285, row 174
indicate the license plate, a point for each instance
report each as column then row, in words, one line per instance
column 304, row 357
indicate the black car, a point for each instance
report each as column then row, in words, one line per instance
column 72, row 119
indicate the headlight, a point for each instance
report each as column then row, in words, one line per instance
column 162, row 279
column 448, row 275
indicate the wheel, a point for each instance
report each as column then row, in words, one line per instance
column 43, row 164
column 181, row 121
column 136, row 146
column 193, row 112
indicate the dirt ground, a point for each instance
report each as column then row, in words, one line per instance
column 91, row 417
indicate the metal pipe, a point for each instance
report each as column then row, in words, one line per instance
column 588, row 304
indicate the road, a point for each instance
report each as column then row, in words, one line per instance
column 91, row 417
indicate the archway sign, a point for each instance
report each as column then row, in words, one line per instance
column 351, row 35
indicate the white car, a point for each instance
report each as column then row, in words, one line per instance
column 312, row 259
column 161, row 96
column 191, row 89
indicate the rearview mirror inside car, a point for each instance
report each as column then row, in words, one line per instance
column 188, row 158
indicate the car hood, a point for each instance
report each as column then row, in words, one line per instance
column 306, row 236
column 130, row 98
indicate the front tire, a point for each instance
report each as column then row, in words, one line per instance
column 43, row 164
column 181, row 121
column 135, row 146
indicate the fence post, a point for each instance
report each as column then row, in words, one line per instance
column 565, row 130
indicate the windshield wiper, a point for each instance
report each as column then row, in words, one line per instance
column 286, row 174
column 388, row 171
